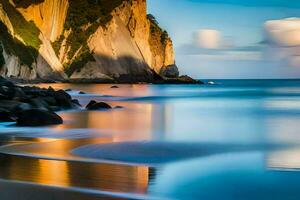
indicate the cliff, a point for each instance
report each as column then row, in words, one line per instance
column 101, row 40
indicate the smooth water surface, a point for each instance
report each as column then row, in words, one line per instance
column 237, row 139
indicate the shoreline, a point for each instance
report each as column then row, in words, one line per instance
column 183, row 80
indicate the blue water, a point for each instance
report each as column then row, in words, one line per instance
column 236, row 139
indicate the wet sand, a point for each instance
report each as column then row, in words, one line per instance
column 65, row 161
column 87, row 178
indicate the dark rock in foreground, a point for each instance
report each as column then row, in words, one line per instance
column 5, row 116
column 36, row 117
column 93, row 105
column 33, row 106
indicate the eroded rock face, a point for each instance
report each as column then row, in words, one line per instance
column 48, row 15
column 123, row 42
column 170, row 71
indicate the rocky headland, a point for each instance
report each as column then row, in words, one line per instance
column 103, row 41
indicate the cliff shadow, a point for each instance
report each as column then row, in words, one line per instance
column 124, row 69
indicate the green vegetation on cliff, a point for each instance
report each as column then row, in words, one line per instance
column 158, row 37
column 156, row 31
column 83, row 19
column 79, row 63
column 24, row 29
column 26, row 54
column 26, row 3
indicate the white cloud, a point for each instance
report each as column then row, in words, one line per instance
column 210, row 45
column 284, row 32
column 208, row 39
column 283, row 40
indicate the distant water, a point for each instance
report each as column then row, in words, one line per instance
column 228, row 139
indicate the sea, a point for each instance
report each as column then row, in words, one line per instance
column 224, row 140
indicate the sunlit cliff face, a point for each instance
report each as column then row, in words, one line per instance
column 86, row 39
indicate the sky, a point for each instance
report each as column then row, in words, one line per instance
column 233, row 38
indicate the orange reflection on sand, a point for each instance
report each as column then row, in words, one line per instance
column 104, row 177
column 104, row 89
column 135, row 122
column 51, row 172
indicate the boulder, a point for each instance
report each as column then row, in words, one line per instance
column 39, row 103
column 114, row 87
column 4, row 82
column 19, row 108
column 63, row 99
column 76, row 102
column 5, row 116
column 9, row 104
column 93, row 105
column 61, row 94
column 92, row 102
column 170, row 71
column 50, row 100
column 3, row 97
column 36, row 117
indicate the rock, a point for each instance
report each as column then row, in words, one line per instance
column 61, row 94
column 4, row 82
column 82, row 92
column 181, row 80
column 119, row 107
column 21, row 107
column 18, row 93
column 76, row 102
column 50, row 100
column 187, row 79
column 92, row 102
column 3, row 97
column 93, row 105
column 114, row 87
column 36, row 117
column 54, row 108
column 8, row 92
column 63, row 99
column 170, row 71
column 68, row 90
column 5, row 116
column 39, row 103
column 9, row 104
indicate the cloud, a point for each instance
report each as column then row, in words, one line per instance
column 210, row 44
column 284, row 32
column 283, row 40
column 208, row 39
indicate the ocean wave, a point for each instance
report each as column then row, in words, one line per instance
column 162, row 152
